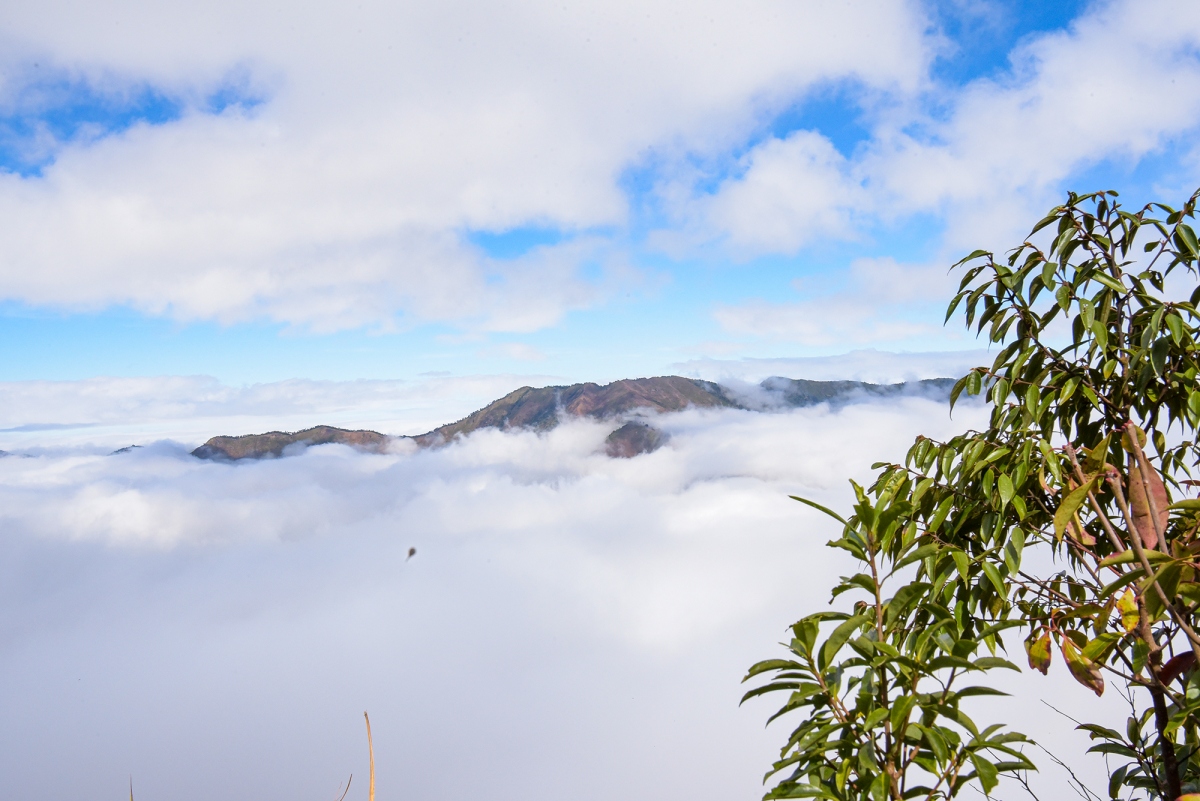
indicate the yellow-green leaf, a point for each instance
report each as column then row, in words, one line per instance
column 1038, row 651
column 1127, row 606
column 1082, row 668
column 1097, row 457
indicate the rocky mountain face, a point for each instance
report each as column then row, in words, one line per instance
column 633, row 438
column 795, row 392
column 541, row 409
column 273, row 443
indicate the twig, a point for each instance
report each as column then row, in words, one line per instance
column 1076, row 784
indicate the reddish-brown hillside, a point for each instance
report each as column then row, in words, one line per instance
column 543, row 408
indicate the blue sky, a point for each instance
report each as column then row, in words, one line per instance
column 589, row 194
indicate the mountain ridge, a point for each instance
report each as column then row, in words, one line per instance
column 543, row 408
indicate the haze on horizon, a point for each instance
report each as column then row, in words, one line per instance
column 226, row 218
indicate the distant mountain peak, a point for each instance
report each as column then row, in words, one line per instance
column 542, row 409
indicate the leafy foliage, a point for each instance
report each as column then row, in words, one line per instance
column 1094, row 409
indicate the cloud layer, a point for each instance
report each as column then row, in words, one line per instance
column 570, row 624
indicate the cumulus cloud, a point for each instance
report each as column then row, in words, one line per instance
column 1001, row 154
column 790, row 192
column 988, row 157
column 570, row 624
column 387, row 130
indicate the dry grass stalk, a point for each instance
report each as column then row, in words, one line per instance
column 371, row 750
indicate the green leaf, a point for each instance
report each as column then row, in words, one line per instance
column 1129, row 557
column 1049, row 218
column 1013, row 550
column 771, row 664
column 1048, row 270
column 1050, row 456
column 1109, row 282
column 1068, row 389
column 917, row 555
column 959, row 386
column 820, row 508
column 1188, row 237
column 937, row 743
column 1063, row 296
column 990, row 662
column 1070, row 505
column 899, row 712
column 1005, row 486
column 1086, row 313
column 993, row 576
column 961, row 718
column 940, row 515
column 1158, row 355
column 963, row 563
column 1116, row 781
column 1100, row 332
column 986, row 771
column 837, row 639
column 1175, row 326
column 1099, row 648
column 970, row 692
column 770, row 688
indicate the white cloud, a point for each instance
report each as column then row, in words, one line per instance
column 791, row 192
column 389, row 129
column 873, row 366
column 844, row 321
column 1118, row 84
column 880, row 301
column 1008, row 145
column 211, row 626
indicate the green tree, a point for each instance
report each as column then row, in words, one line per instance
column 1094, row 406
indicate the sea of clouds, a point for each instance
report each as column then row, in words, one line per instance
column 571, row 625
